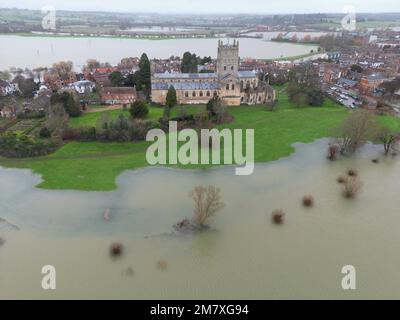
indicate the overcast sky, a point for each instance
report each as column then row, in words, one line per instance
column 210, row 6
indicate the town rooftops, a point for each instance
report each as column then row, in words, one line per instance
column 119, row 90
column 376, row 77
column 247, row 74
column 347, row 82
column 167, row 75
column 82, row 83
column 106, row 70
column 205, row 85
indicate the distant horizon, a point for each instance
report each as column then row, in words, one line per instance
column 221, row 7
column 204, row 13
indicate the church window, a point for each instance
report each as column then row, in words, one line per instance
column 232, row 68
column 224, row 68
column 186, row 94
column 201, row 93
column 233, row 87
column 194, row 93
column 227, row 86
column 208, row 93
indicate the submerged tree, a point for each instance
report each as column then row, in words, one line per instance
column 389, row 139
column 359, row 127
column 207, row 202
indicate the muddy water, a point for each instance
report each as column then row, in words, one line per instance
column 245, row 257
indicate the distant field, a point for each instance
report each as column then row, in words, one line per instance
column 359, row 25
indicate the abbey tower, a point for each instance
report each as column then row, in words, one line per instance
column 228, row 59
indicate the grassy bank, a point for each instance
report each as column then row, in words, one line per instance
column 95, row 166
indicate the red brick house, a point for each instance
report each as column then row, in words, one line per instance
column 369, row 84
column 100, row 76
column 118, row 95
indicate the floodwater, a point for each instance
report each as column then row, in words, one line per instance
column 17, row 51
column 245, row 257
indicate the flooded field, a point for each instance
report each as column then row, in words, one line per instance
column 34, row 51
column 244, row 257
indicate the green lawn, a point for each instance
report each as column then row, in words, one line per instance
column 155, row 113
column 95, row 166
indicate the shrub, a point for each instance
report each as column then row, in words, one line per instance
column 162, row 265
column 45, row 133
column 278, row 216
column 333, row 152
column 352, row 173
column 139, row 110
column 342, row 179
column 308, row 201
column 19, row 145
column 116, row 250
column 87, row 134
column 69, row 134
column 352, row 187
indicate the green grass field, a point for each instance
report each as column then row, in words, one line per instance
column 95, row 166
column 91, row 119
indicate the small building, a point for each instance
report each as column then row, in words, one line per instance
column 118, row 95
column 101, row 76
column 347, row 83
column 84, row 86
column 369, row 84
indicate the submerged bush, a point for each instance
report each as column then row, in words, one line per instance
column 341, row 179
column 162, row 265
column 352, row 187
column 278, row 216
column 352, row 173
column 333, row 152
column 116, row 250
column 308, row 201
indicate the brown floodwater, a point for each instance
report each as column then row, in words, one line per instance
column 245, row 257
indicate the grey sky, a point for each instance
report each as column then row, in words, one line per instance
column 211, row 6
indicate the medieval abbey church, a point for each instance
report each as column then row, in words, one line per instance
column 233, row 86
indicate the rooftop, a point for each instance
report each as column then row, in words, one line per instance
column 168, row 75
column 205, row 85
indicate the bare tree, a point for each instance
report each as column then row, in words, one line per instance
column 355, row 131
column 389, row 139
column 207, row 201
